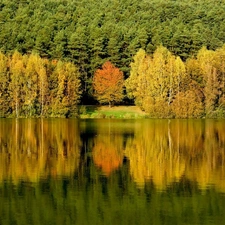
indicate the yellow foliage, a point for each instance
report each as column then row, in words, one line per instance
column 187, row 105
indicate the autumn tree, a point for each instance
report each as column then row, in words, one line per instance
column 220, row 65
column 137, row 84
column 68, row 90
column 206, row 61
column 155, row 80
column 42, row 84
column 108, row 84
column 17, row 82
column 30, row 86
column 4, row 83
column 188, row 104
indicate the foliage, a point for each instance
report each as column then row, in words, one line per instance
column 88, row 32
column 165, row 86
column 108, row 84
column 181, row 46
column 32, row 86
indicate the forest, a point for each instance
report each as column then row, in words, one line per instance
column 51, row 51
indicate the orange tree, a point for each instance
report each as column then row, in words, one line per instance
column 108, row 84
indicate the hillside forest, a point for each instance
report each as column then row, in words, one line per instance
column 168, row 57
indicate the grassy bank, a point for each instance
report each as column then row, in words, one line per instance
column 120, row 112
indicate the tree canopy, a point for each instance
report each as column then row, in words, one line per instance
column 47, row 46
column 165, row 86
column 88, row 33
column 108, row 84
column 31, row 86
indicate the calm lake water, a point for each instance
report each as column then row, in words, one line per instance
column 68, row 171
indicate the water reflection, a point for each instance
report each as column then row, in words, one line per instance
column 32, row 149
column 61, row 171
column 164, row 152
column 159, row 152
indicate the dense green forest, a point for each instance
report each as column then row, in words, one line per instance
column 89, row 33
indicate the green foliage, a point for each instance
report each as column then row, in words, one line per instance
column 88, row 32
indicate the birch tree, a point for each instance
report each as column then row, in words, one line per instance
column 4, row 85
column 17, row 71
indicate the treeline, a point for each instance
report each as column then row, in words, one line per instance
column 88, row 32
column 31, row 86
column 165, row 86
column 162, row 84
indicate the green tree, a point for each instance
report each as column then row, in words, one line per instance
column 78, row 48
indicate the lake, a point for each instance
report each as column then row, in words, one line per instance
column 70, row 171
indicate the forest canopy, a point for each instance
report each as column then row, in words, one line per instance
column 90, row 33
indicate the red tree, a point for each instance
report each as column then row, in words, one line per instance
column 108, row 84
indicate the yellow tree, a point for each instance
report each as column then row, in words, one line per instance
column 4, row 83
column 182, row 95
column 68, row 90
column 40, row 68
column 206, row 60
column 137, row 85
column 180, row 75
column 17, row 69
column 73, row 87
column 162, row 82
column 108, row 84
column 220, row 65
column 31, row 85
column 159, row 72
column 154, row 81
column 188, row 104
